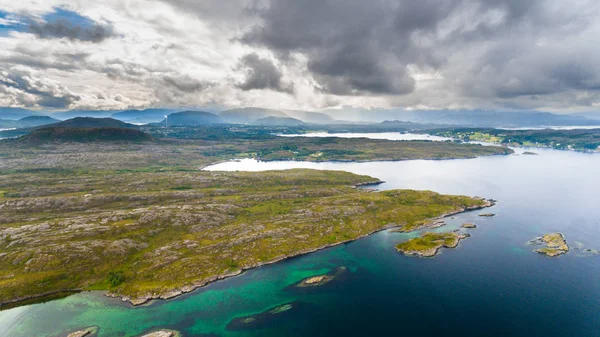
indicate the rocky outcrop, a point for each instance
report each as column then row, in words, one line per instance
column 88, row 332
column 555, row 244
column 429, row 244
column 468, row 225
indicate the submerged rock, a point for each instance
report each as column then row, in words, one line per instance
column 163, row 333
column 87, row 332
column 263, row 319
column 555, row 244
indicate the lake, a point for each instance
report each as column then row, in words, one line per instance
column 491, row 285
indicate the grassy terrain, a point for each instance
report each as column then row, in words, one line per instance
column 143, row 233
column 141, row 219
column 580, row 140
column 193, row 153
column 428, row 244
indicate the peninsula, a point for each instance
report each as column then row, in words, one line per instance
column 140, row 220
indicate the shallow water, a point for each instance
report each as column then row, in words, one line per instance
column 491, row 285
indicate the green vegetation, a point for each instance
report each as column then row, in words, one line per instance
column 579, row 140
column 102, row 134
column 555, row 244
column 115, row 278
column 428, row 244
column 142, row 220
column 71, row 229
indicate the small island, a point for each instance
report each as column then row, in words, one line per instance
column 429, row 244
column 487, row 215
column 555, row 244
column 318, row 281
column 468, row 225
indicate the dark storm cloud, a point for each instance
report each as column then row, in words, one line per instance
column 63, row 28
column 358, row 47
column 185, row 83
column 47, row 95
column 262, row 74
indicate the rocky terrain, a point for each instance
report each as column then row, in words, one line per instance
column 429, row 244
column 554, row 244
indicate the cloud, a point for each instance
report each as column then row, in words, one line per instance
column 287, row 54
column 68, row 24
column 36, row 92
column 62, row 28
column 262, row 74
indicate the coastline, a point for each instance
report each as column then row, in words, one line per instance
column 203, row 283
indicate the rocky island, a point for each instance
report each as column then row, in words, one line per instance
column 468, row 225
column 429, row 244
column 555, row 244
column 318, row 281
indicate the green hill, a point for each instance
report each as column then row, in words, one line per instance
column 84, row 135
column 91, row 122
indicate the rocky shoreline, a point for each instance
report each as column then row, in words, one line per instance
column 136, row 301
column 439, row 221
column 429, row 244
column 555, row 244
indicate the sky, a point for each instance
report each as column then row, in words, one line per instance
column 301, row 54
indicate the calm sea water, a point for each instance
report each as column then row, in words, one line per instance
column 491, row 285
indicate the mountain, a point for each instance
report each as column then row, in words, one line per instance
column 310, row 116
column 472, row 118
column 192, row 118
column 78, row 134
column 82, row 113
column 33, row 121
column 27, row 122
column 90, row 122
column 143, row 116
column 249, row 115
column 594, row 115
column 17, row 113
column 278, row 121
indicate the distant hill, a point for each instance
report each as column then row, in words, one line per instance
column 33, row 121
column 470, row 118
column 17, row 113
column 26, row 122
column 143, row 116
column 278, row 121
column 595, row 115
column 90, row 122
column 82, row 113
column 193, row 118
column 83, row 135
column 310, row 116
column 249, row 115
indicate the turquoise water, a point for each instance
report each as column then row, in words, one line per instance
column 491, row 285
